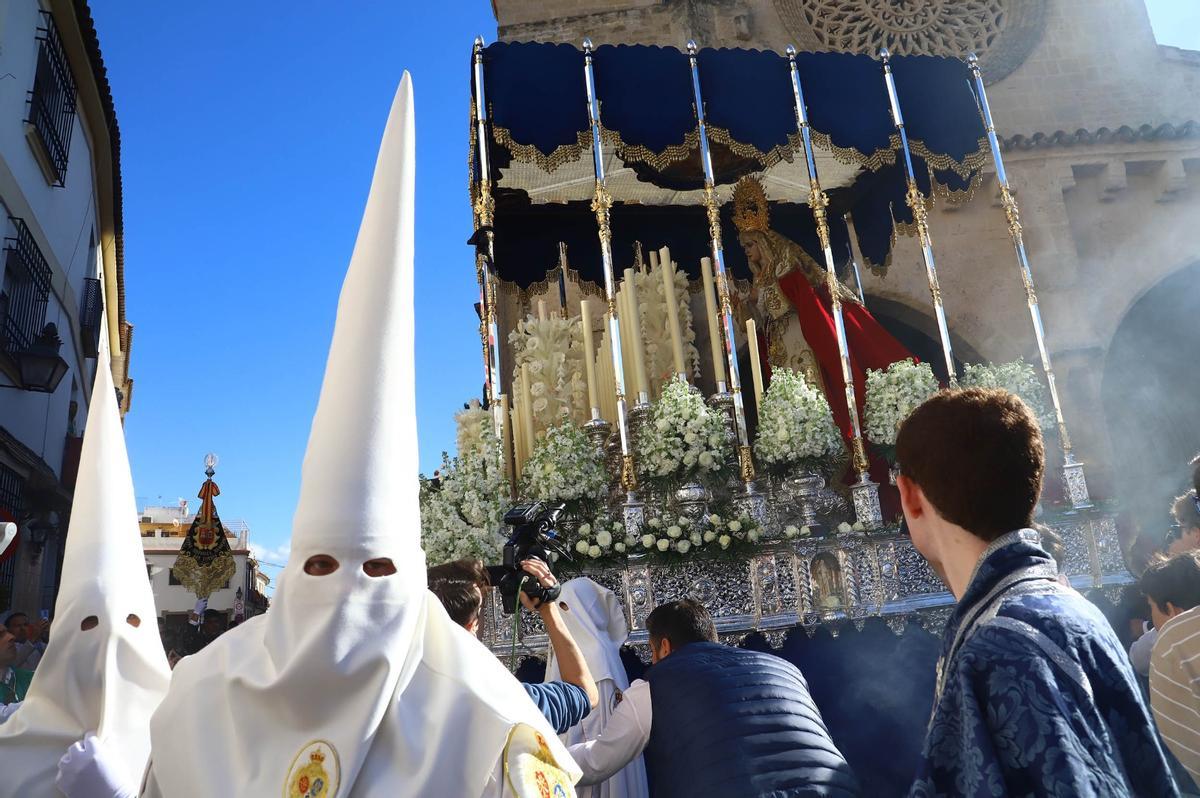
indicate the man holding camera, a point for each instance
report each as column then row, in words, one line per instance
column 460, row 586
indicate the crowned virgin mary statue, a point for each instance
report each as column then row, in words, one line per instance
column 790, row 299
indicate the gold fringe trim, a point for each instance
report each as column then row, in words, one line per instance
column 675, row 153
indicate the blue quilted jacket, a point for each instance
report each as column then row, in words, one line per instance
column 731, row 723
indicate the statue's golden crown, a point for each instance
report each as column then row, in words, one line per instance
column 750, row 209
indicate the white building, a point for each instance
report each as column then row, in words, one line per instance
column 163, row 531
column 62, row 265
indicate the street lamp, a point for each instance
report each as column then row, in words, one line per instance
column 41, row 367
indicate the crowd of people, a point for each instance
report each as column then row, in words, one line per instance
column 367, row 677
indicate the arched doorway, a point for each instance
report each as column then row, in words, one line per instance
column 1151, row 396
column 919, row 334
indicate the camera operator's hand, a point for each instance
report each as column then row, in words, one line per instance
column 541, row 572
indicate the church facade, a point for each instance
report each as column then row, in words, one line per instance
column 1100, row 127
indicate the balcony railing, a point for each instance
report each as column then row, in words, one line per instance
column 91, row 306
column 24, row 304
column 52, row 104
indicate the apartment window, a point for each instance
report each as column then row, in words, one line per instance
column 91, row 305
column 51, row 105
column 26, row 290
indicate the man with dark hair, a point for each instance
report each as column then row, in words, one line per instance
column 1172, row 588
column 460, row 586
column 1035, row 695
column 717, row 721
column 1186, row 513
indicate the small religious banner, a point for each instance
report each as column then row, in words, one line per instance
column 205, row 562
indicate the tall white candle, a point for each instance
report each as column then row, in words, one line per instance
column 755, row 363
column 635, row 322
column 527, row 412
column 542, row 315
column 506, row 438
column 714, row 325
column 589, row 355
column 668, row 277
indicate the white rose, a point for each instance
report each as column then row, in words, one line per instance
column 858, row 526
column 664, row 544
column 790, row 531
column 585, row 529
column 690, row 438
column 705, row 460
column 710, row 536
column 582, row 547
column 630, row 540
column 662, row 425
column 655, row 522
column 725, row 540
column 696, row 539
column 805, row 531
column 735, row 526
column 844, row 528
column 647, row 541
column 714, row 519
column 594, row 552
column 674, row 531
column 684, row 520
column 752, row 535
column 604, row 539
column 683, row 546
column 620, row 547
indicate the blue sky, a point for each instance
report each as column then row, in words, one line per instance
column 248, row 133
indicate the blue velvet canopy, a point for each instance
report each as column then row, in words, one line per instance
column 540, row 148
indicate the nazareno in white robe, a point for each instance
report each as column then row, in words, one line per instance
column 352, row 685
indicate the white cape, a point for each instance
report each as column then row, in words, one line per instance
column 595, row 619
column 107, row 679
column 351, row 685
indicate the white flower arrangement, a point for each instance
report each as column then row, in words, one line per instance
column 603, row 537
column 795, row 426
column 656, row 337
column 463, row 514
column 1016, row 377
column 473, row 423
column 552, row 351
column 891, row 395
column 566, row 467
column 683, row 439
column 667, row 534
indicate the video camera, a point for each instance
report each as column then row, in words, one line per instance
column 532, row 535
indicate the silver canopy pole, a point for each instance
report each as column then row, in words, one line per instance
column 484, row 212
column 745, row 461
column 916, row 203
column 866, row 493
column 1073, row 477
column 601, row 205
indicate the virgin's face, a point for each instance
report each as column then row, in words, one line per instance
column 753, row 252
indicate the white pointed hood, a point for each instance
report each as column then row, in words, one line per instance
column 8, row 531
column 108, row 678
column 361, row 682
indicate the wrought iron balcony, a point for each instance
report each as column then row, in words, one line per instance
column 91, row 308
column 23, row 304
column 51, row 105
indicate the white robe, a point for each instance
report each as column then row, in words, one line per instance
column 596, row 621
